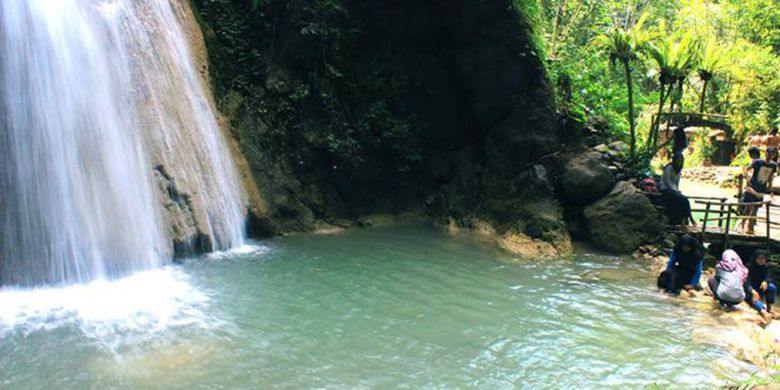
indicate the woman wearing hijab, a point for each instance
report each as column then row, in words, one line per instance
column 683, row 270
column 730, row 282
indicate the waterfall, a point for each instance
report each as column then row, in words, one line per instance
column 110, row 148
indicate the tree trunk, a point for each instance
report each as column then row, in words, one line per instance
column 653, row 139
column 680, row 94
column 554, row 41
column 703, row 95
column 631, row 126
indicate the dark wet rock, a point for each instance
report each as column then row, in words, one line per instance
column 467, row 131
column 623, row 220
column 586, row 178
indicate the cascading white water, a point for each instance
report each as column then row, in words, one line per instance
column 105, row 127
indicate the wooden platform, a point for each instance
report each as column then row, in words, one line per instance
column 721, row 218
column 718, row 235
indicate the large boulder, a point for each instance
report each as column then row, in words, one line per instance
column 586, row 178
column 623, row 220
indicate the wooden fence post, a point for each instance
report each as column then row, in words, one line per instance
column 768, row 227
column 728, row 226
column 704, row 222
column 740, row 178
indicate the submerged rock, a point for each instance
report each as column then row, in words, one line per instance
column 525, row 246
column 623, row 220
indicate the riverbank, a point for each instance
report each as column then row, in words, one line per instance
column 741, row 329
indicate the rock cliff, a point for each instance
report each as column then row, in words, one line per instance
column 346, row 109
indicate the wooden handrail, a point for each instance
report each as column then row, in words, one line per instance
column 720, row 199
column 729, row 208
column 739, row 204
column 746, row 217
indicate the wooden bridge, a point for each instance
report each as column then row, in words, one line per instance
column 720, row 216
column 694, row 119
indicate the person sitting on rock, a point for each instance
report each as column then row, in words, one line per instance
column 761, row 173
column 684, row 268
column 678, row 208
column 761, row 286
column 730, row 282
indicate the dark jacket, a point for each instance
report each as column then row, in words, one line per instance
column 758, row 274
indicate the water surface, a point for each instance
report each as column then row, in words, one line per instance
column 381, row 308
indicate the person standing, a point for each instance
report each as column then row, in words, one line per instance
column 761, row 173
column 755, row 154
column 773, row 140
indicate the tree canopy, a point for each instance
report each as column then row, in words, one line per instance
column 718, row 57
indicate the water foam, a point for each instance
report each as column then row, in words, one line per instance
column 143, row 304
column 247, row 249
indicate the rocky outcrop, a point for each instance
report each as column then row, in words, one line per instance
column 553, row 243
column 623, row 220
column 586, row 178
column 198, row 184
column 439, row 106
column 178, row 210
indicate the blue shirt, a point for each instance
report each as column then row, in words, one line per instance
column 696, row 274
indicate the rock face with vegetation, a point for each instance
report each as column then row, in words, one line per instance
column 345, row 109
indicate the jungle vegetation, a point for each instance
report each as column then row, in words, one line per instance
column 624, row 60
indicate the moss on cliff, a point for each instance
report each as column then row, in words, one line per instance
column 347, row 108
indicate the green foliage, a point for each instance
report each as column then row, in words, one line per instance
column 703, row 149
column 532, row 12
column 757, row 379
column 324, row 105
column 624, row 45
column 712, row 59
column 757, row 21
column 719, row 57
column 256, row 3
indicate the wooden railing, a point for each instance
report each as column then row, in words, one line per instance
column 721, row 211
